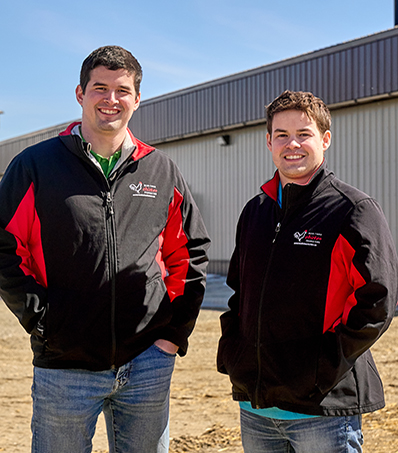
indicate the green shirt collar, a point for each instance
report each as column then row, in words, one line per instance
column 107, row 164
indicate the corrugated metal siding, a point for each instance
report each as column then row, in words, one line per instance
column 10, row 148
column 223, row 178
column 348, row 72
column 225, row 105
column 364, row 153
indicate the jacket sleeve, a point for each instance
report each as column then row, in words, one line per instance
column 362, row 292
column 184, row 250
column 230, row 319
column 22, row 275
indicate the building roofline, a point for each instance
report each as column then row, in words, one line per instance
column 278, row 64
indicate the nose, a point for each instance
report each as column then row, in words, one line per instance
column 292, row 143
column 110, row 97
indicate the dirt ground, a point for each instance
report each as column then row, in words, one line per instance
column 203, row 416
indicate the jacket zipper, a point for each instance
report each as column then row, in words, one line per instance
column 112, row 253
column 111, row 243
column 110, row 229
column 259, row 322
column 110, row 232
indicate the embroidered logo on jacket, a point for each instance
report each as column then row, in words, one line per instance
column 137, row 188
column 307, row 238
column 144, row 190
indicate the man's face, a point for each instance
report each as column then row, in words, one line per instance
column 297, row 146
column 108, row 102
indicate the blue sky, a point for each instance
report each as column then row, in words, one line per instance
column 179, row 43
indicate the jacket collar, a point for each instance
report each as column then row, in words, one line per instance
column 130, row 145
column 300, row 193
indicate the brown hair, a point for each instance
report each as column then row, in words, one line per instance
column 306, row 102
column 113, row 58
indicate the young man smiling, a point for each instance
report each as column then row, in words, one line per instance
column 315, row 275
column 297, row 146
column 108, row 102
column 102, row 259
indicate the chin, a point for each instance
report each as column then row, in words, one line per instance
column 109, row 126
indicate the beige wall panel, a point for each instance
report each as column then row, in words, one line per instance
column 364, row 153
column 223, row 178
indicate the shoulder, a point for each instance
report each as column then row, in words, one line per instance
column 50, row 143
column 161, row 157
column 365, row 213
column 164, row 165
column 34, row 154
column 258, row 200
column 256, row 208
column 349, row 192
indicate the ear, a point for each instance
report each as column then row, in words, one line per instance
column 137, row 101
column 326, row 140
column 79, row 94
column 269, row 143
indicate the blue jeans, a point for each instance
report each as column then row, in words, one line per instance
column 134, row 399
column 310, row 435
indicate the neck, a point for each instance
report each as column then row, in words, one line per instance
column 104, row 144
column 299, row 182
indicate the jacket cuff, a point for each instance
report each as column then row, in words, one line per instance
column 171, row 334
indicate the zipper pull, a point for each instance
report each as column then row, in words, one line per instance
column 277, row 229
column 86, row 147
column 109, row 203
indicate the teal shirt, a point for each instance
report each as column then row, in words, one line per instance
column 275, row 412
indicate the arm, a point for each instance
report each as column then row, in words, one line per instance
column 184, row 250
column 22, row 275
column 362, row 293
column 230, row 319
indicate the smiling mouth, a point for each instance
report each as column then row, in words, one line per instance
column 109, row 111
column 294, row 157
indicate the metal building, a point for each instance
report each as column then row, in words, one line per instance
column 216, row 131
column 10, row 148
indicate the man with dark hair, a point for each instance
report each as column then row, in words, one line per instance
column 113, row 58
column 102, row 259
column 315, row 275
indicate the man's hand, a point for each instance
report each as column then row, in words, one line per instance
column 167, row 346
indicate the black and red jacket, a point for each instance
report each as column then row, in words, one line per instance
column 316, row 284
column 98, row 269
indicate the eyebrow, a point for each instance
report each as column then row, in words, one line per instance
column 298, row 130
column 102, row 84
column 124, row 87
